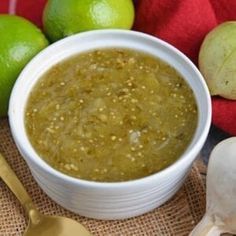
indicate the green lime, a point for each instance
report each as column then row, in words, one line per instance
column 20, row 40
column 62, row 18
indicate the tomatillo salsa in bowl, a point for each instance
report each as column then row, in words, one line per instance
column 110, row 121
column 111, row 115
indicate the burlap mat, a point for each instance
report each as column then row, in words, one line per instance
column 177, row 217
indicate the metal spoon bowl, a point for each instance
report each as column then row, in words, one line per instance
column 39, row 224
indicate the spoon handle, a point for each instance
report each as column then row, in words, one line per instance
column 14, row 184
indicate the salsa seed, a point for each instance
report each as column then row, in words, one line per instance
column 134, row 100
column 140, row 154
column 103, row 117
column 133, row 149
column 67, row 167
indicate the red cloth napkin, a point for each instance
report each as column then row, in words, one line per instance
column 182, row 23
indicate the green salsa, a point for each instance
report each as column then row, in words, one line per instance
column 111, row 115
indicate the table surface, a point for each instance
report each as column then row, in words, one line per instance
column 215, row 136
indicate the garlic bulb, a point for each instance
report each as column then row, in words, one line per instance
column 220, row 216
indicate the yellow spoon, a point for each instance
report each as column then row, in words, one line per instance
column 39, row 225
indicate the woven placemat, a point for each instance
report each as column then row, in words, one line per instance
column 177, row 217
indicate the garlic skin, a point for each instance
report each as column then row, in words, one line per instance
column 220, row 214
column 217, row 60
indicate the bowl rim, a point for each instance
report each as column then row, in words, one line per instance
column 181, row 161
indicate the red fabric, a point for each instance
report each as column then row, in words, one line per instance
column 31, row 9
column 224, row 115
column 179, row 22
column 3, row 6
column 182, row 23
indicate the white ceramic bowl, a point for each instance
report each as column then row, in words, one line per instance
column 108, row 200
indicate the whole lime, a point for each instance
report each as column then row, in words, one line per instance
column 62, row 18
column 20, row 40
column 217, row 60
